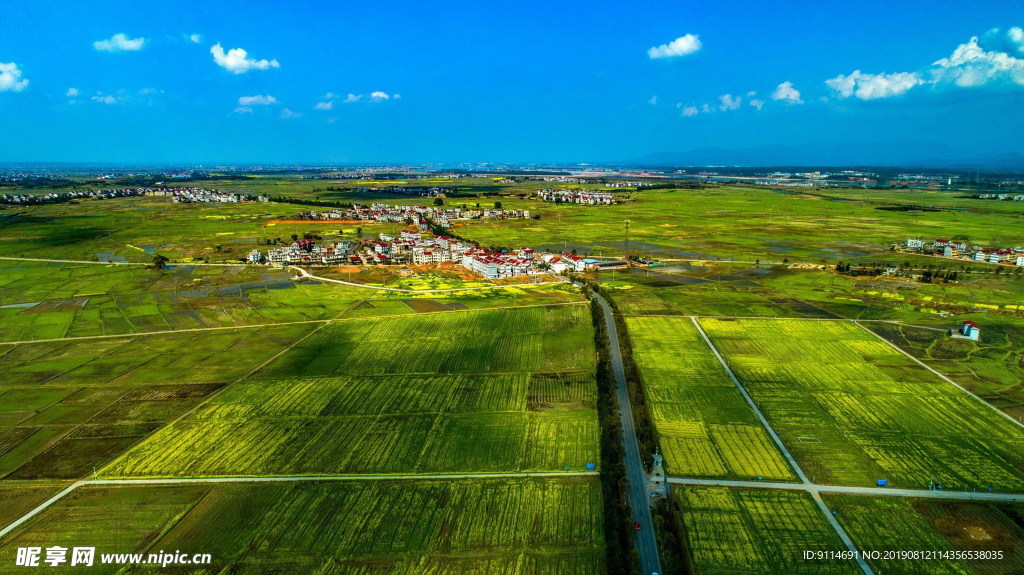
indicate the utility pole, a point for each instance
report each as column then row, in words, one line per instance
column 627, row 243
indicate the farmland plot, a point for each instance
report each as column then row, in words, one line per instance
column 474, row 526
column 757, row 531
column 423, row 394
column 704, row 426
column 53, row 300
column 854, row 410
column 878, row 523
column 70, row 406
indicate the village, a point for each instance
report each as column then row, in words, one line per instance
column 959, row 249
column 413, row 215
column 587, row 197
column 179, row 195
column 421, row 249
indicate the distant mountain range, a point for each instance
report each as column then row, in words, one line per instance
column 909, row 155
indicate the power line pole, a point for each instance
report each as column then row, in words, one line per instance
column 627, row 242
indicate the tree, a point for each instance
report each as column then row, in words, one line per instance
column 359, row 232
column 295, row 237
column 497, row 205
column 159, row 261
column 438, row 202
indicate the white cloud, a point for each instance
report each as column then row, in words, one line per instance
column 10, row 78
column 757, row 103
column 379, row 96
column 396, row 96
column 195, row 38
column 653, row 101
column 237, row 60
column 785, row 91
column 970, row 65
column 288, row 114
column 243, row 110
column 690, row 111
column 257, row 100
column 681, row 46
column 104, row 98
column 991, row 60
column 71, row 93
column 1016, row 36
column 119, row 42
column 873, row 86
column 729, row 102
column 326, row 105
column 705, row 109
column 352, row 98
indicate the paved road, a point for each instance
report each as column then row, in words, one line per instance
column 646, row 544
column 282, row 478
column 854, row 490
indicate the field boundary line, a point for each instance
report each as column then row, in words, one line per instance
column 210, row 397
column 943, row 377
column 40, row 508
column 852, row 489
column 172, row 263
column 750, row 401
column 785, row 452
column 306, row 321
column 284, row 478
column 345, row 477
column 304, row 274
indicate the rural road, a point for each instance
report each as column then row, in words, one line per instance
column 646, row 543
column 855, row 490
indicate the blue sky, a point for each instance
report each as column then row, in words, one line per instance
column 504, row 82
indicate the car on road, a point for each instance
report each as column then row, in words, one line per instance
column 636, row 525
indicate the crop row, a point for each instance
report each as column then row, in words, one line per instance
column 704, row 426
column 416, row 527
column 854, row 410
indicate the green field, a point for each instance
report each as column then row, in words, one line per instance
column 493, row 390
column 704, row 426
column 992, row 368
column 66, row 407
column 854, row 410
column 905, row 524
column 757, row 531
column 535, row 526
